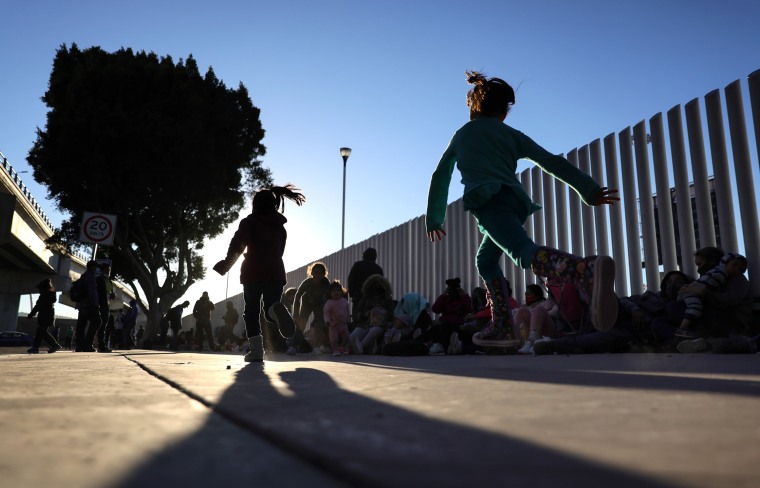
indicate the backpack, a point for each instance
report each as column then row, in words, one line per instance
column 78, row 291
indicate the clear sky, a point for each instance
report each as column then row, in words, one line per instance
column 387, row 79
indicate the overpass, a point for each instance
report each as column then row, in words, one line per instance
column 24, row 258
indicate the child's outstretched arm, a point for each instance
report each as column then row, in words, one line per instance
column 438, row 194
column 605, row 196
column 436, row 234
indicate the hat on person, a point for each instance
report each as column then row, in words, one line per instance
column 454, row 283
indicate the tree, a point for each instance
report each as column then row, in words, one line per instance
column 170, row 152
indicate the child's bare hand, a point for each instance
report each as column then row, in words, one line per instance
column 605, row 196
column 436, row 234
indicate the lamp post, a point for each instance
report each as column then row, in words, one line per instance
column 345, row 152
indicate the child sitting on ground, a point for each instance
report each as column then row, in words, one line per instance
column 731, row 264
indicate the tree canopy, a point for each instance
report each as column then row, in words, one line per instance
column 168, row 151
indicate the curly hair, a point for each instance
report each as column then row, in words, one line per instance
column 491, row 97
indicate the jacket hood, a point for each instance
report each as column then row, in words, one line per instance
column 375, row 285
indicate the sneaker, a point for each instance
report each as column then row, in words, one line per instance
column 455, row 345
column 356, row 345
column 527, row 348
column 492, row 337
column 541, row 348
column 103, row 349
column 325, row 349
column 687, row 333
column 604, row 302
column 696, row 345
column 284, row 321
column 317, row 351
column 291, row 351
column 33, row 350
column 436, row 350
column 336, row 353
column 53, row 349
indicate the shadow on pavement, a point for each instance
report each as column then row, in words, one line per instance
column 349, row 438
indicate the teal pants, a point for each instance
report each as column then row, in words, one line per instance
column 503, row 232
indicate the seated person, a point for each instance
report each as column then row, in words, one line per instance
column 372, row 315
column 713, row 280
column 636, row 313
column 534, row 319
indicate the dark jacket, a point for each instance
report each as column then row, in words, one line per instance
column 262, row 235
column 202, row 309
column 44, row 308
column 360, row 271
column 174, row 316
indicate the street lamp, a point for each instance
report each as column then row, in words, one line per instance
column 345, row 152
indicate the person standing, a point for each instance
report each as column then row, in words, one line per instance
column 202, row 313
column 173, row 319
column 231, row 318
column 88, row 319
column 45, row 311
column 360, row 271
column 105, row 293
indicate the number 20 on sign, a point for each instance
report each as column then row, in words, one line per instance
column 97, row 228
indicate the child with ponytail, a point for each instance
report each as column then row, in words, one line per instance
column 485, row 150
column 262, row 236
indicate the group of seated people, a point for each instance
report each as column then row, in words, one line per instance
column 711, row 312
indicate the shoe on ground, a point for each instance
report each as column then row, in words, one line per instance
column 285, row 323
column 455, row 345
column 104, row 349
column 542, row 347
column 53, row 349
column 292, row 351
column 32, row 350
column 356, row 345
column 436, row 350
column 687, row 333
column 604, row 302
column 492, row 337
column 526, row 348
column 326, row 349
column 692, row 346
column 336, row 353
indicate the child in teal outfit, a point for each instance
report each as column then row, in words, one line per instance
column 486, row 151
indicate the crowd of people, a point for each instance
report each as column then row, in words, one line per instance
column 571, row 308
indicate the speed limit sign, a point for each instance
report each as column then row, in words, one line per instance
column 97, row 228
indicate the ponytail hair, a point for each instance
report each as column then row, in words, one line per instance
column 273, row 198
column 491, row 97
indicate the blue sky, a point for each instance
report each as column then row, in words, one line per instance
column 386, row 79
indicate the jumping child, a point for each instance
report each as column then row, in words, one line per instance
column 485, row 150
column 263, row 271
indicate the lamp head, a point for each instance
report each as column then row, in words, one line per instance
column 345, row 152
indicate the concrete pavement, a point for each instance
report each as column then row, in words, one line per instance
column 148, row 419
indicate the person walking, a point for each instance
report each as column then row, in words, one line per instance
column 44, row 308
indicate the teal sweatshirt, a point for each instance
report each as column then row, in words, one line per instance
column 486, row 151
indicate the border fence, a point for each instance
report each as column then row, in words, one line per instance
column 678, row 193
